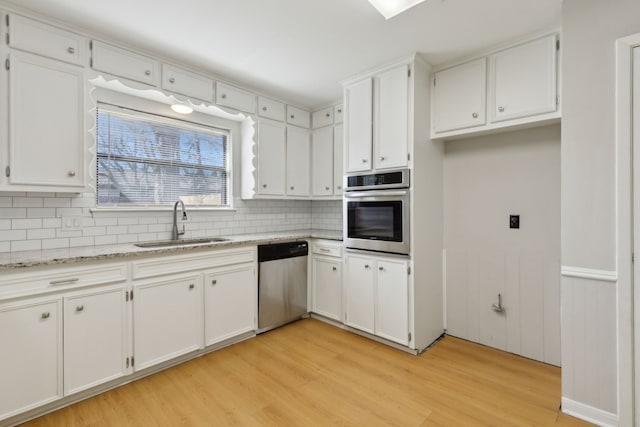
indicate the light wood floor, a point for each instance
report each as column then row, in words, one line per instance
column 310, row 373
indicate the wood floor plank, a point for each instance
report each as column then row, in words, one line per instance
column 313, row 374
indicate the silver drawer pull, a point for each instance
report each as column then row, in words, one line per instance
column 324, row 249
column 213, row 282
column 264, row 108
column 80, row 308
column 381, row 268
column 64, row 281
column 223, row 96
column 366, row 266
column 264, row 185
column 474, row 115
column 71, row 50
column 335, row 268
column 293, row 116
column 147, row 72
column 326, row 188
column 192, row 286
column 45, row 315
column 339, row 110
column 71, row 173
column 328, row 115
column 501, row 109
column 172, row 80
column 292, row 187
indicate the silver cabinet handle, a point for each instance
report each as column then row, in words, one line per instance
column 364, row 160
column 264, row 108
column 328, row 115
column 324, row 250
column 382, row 158
column 501, row 109
column 71, row 173
column 339, row 187
column 292, row 187
column 71, row 50
column 366, row 266
column 64, row 281
column 264, row 185
column 293, row 116
column 381, row 268
column 80, row 308
column 474, row 115
column 339, row 110
column 192, row 286
column 172, row 80
column 45, row 315
column 223, row 96
column 147, row 72
column 335, row 268
column 213, row 282
column 326, row 188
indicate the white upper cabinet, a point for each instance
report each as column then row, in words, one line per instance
column 460, row 96
column 390, row 118
column 123, row 63
column 46, row 133
column 523, row 80
column 186, row 83
column 271, row 109
column 338, row 114
column 271, row 157
column 298, row 161
column 45, row 40
column 322, row 118
column 322, row 162
column 298, row 117
column 359, row 125
column 519, row 88
column 238, row 99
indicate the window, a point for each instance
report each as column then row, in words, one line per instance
column 150, row 160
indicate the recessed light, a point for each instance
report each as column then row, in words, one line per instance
column 390, row 8
column 181, row 108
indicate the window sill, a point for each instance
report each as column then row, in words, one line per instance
column 123, row 209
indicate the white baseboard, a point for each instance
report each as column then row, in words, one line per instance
column 589, row 413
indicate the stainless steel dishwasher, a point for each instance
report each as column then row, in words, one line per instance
column 282, row 283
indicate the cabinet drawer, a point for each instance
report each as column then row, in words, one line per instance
column 124, row 63
column 238, row 99
column 322, row 118
column 40, row 281
column 298, row 117
column 338, row 114
column 270, row 109
column 187, row 83
column 161, row 266
column 327, row 248
column 42, row 39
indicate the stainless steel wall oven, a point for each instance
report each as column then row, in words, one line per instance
column 376, row 212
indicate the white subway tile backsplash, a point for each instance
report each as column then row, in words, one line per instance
column 36, row 221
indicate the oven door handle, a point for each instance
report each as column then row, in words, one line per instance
column 380, row 193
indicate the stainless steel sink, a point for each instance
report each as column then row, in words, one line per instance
column 180, row 242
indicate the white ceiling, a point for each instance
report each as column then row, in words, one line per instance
column 299, row 50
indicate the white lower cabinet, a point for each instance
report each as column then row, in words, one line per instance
column 167, row 319
column 31, row 354
column 96, row 338
column 326, row 281
column 377, row 296
column 230, row 301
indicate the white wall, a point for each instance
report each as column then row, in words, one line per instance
column 485, row 180
column 590, row 28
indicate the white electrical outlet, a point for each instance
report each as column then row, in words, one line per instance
column 72, row 223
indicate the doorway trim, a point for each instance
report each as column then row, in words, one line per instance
column 624, row 227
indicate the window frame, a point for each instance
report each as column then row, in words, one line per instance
column 197, row 122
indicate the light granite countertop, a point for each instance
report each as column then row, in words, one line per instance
column 15, row 260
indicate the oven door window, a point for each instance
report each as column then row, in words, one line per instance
column 375, row 220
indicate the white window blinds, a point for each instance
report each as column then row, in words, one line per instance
column 150, row 160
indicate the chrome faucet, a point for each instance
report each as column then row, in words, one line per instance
column 175, row 233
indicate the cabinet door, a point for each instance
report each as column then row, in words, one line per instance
column 46, row 144
column 271, row 157
column 322, row 118
column 95, row 339
column 359, row 122
column 390, row 118
column 524, row 80
column 359, row 293
column 271, row 109
column 235, row 98
column 392, row 301
column 120, row 62
column 322, row 162
column 187, row 83
column 167, row 319
column 31, row 368
column 298, row 117
column 338, row 113
column 338, row 162
column 298, row 157
column 460, row 96
column 327, row 287
column 230, row 302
